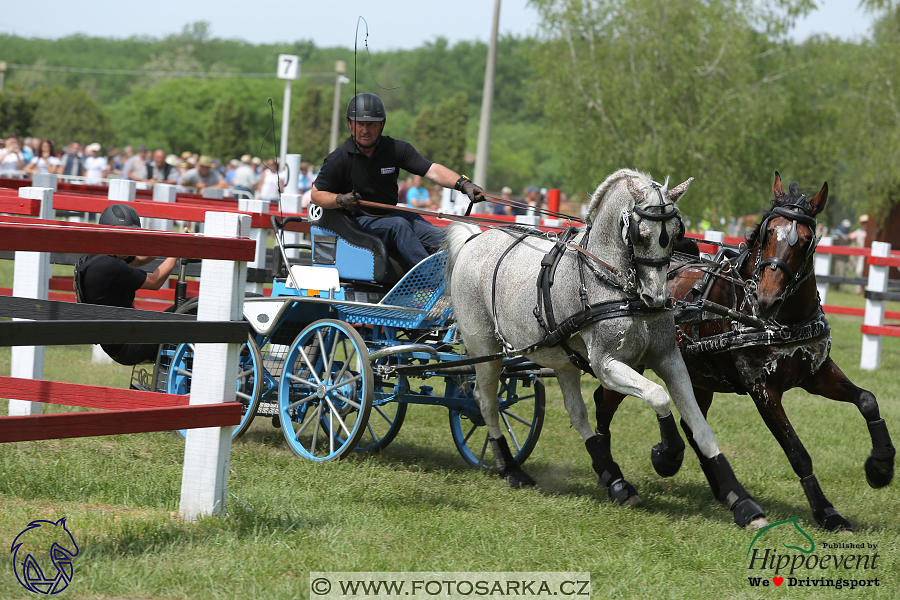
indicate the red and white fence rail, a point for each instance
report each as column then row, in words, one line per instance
column 218, row 331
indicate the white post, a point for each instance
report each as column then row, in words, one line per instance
column 122, row 190
column 823, row 269
column 207, row 451
column 31, row 279
column 45, row 180
column 260, row 235
column 163, row 192
column 288, row 69
column 290, row 203
column 292, row 162
column 711, row 235
column 483, row 148
column 214, row 193
column 878, row 280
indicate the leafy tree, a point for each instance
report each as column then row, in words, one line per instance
column 441, row 133
column 310, row 127
column 16, row 113
column 226, row 134
column 65, row 115
column 674, row 89
column 871, row 125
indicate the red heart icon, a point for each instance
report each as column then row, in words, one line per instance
column 778, row 580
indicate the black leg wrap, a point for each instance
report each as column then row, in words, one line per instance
column 609, row 472
column 507, row 465
column 880, row 465
column 743, row 507
column 823, row 511
column 668, row 455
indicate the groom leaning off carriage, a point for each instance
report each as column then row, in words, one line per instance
column 366, row 167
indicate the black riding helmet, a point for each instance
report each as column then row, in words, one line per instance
column 121, row 215
column 366, row 107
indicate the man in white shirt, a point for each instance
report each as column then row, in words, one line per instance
column 136, row 166
column 96, row 167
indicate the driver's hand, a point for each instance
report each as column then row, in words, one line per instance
column 349, row 201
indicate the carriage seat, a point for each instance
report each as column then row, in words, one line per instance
column 338, row 241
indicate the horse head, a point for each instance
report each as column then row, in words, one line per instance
column 783, row 244
column 650, row 227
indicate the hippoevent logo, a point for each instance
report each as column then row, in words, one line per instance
column 42, row 556
column 783, row 554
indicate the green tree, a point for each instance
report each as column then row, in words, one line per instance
column 65, row 115
column 870, row 126
column 440, row 134
column 310, row 127
column 16, row 113
column 675, row 88
column 226, row 133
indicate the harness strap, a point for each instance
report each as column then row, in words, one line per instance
column 497, row 331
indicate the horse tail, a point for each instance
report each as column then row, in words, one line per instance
column 456, row 236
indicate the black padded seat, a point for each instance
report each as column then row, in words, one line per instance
column 388, row 267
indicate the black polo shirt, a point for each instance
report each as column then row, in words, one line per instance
column 348, row 169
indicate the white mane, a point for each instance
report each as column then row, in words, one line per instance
column 607, row 184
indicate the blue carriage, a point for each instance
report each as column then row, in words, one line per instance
column 348, row 341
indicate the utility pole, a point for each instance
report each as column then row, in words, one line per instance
column 482, row 153
column 288, row 69
column 2, row 73
column 340, row 67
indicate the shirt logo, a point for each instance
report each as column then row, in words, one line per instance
column 388, row 170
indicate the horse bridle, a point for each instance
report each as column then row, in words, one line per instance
column 657, row 212
column 795, row 213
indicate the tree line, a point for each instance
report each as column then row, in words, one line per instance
column 714, row 91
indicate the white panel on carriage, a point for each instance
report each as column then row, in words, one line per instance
column 315, row 278
column 262, row 314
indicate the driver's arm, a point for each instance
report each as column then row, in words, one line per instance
column 442, row 176
column 324, row 199
column 156, row 279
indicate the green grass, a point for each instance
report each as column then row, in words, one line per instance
column 418, row 507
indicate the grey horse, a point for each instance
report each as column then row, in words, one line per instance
column 493, row 281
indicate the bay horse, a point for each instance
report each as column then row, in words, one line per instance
column 594, row 300
column 772, row 280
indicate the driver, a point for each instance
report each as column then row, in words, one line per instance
column 366, row 167
column 112, row 280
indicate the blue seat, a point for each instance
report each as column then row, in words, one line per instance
column 338, row 241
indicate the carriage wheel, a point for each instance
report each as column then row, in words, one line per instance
column 325, row 392
column 384, row 423
column 249, row 380
column 522, row 401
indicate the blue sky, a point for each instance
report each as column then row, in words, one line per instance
column 395, row 24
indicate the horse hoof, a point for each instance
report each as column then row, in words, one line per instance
column 746, row 512
column 518, row 478
column 665, row 463
column 833, row 522
column 878, row 473
column 622, row 492
column 758, row 523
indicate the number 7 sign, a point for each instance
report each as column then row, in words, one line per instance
column 288, row 66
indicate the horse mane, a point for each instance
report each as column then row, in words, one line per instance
column 607, row 184
column 794, row 196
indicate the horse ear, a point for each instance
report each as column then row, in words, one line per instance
column 636, row 193
column 817, row 202
column 675, row 194
column 776, row 187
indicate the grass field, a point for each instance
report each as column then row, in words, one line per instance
column 417, row 507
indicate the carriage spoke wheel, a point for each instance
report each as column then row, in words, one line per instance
column 326, row 390
column 249, row 380
column 385, row 421
column 522, row 402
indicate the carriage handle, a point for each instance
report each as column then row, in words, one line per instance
column 279, row 228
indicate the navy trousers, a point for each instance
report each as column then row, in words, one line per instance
column 413, row 237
